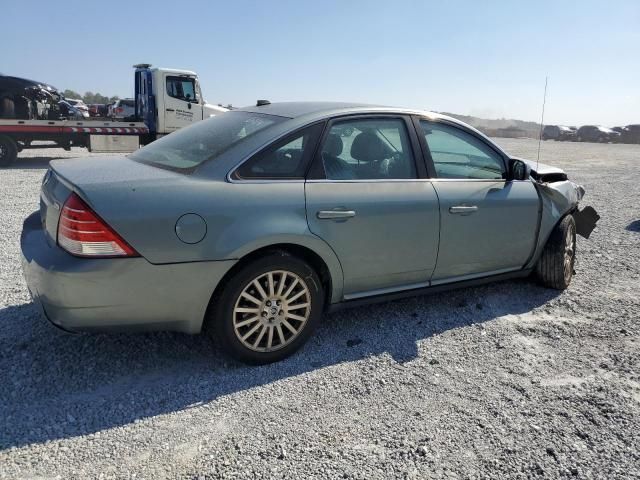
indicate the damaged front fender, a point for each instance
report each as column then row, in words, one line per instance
column 558, row 199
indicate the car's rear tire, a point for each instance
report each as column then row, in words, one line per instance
column 268, row 309
column 7, row 108
column 555, row 266
column 8, row 151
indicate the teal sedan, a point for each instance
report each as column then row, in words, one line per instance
column 252, row 224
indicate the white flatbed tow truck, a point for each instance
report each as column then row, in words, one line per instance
column 165, row 101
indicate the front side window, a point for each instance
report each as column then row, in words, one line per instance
column 183, row 88
column 287, row 158
column 458, row 154
column 189, row 147
column 368, row 149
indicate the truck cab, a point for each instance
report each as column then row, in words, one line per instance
column 168, row 99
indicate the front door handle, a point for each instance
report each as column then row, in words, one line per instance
column 335, row 214
column 463, row 209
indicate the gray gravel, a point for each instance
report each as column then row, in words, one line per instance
column 507, row 380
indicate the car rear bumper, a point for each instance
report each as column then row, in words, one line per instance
column 118, row 294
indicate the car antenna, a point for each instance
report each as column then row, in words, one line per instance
column 544, row 102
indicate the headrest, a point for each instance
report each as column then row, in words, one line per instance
column 333, row 145
column 367, row 147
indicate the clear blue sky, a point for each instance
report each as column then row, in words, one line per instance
column 484, row 58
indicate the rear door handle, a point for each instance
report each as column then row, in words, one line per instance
column 463, row 209
column 335, row 214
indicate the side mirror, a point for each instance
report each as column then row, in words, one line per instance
column 518, row 170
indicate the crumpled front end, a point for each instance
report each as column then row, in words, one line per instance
column 559, row 197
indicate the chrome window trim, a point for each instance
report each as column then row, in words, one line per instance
column 401, row 180
column 267, row 180
column 420, row 115
column 323, row 118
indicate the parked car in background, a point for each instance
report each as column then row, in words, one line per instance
column 596, row 133
column 630, row 134
column 97, row 110
column 69, row 111
column 79, row 105
column 254, row 223
column 109, row 109
column 101, row 110
column 558, row 132
column 123, row 108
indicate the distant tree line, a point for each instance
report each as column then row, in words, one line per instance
column 90, row 97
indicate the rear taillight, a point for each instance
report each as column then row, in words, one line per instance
column 82, row 233
column 119, row 110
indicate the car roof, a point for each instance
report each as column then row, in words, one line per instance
column 302, row 113
column 325, row 109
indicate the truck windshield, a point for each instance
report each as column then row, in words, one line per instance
column 185, row 149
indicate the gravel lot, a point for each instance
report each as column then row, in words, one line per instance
column 507, row 380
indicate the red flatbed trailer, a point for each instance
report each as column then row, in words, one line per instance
column 95, row 135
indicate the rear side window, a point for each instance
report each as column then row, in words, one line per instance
column 183, row 88
column 460, row 155
column 189, row 147
column 285, row 159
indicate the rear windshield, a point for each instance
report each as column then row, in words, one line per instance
column 126, row 103
column 185, row 149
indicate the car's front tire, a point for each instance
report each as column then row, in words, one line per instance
column 555, row 266
column 8, row 151
column 268, row 309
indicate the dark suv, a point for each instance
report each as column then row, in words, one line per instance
column 595, row 133
column 558, row 132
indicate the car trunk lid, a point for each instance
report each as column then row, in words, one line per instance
column 94, row 180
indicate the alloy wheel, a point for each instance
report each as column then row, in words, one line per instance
column 569, row 252
column 271, row 311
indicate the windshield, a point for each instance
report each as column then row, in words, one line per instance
column 194, row 145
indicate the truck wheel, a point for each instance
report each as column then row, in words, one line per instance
column 7, row 108
column 268, row 309
column 8, row 151
column 555, row 266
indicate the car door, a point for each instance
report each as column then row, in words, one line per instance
column 182, row 105
column 488, row 224
column 368, row 198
